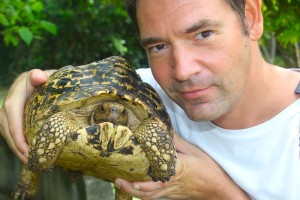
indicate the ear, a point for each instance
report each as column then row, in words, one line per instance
column 254, row 19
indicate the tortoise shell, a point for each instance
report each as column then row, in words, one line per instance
column 98, row 119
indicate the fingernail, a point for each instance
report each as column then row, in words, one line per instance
column 136, row 186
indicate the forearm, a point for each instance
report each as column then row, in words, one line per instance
column 221, row 186
column 225, row 188
column 205, row 179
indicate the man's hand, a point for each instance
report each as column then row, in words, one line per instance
column 11, row 113
column 197, row 177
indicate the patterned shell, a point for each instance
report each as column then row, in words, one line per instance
column 111, row 79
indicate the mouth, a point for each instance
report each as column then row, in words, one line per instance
column 194, row 94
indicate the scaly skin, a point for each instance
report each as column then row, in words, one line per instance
column 98, row 119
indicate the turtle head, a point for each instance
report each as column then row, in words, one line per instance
column 113, row 112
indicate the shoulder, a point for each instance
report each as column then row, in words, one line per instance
column 295, row 69
column 296, row 72
column 145, row 73
column 146, row 76
column 289, row 79
column 295, row 75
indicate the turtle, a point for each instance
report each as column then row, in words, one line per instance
column 100, row 120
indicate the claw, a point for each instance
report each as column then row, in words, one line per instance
column 27, row 186
column 20, row 195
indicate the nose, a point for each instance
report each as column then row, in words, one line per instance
column 185, row 63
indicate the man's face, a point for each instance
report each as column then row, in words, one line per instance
column 197, row 53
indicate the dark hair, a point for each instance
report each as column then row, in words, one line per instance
column 237, row 6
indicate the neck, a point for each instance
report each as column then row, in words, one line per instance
column 269, row 90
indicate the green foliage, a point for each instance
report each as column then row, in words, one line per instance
column 50, row 34
column 23, row 20
column 283, row 18
column 282, row 32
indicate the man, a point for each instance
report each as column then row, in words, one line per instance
column 240, row 110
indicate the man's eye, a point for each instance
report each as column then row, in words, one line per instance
column 158, row 47
column 204, row 35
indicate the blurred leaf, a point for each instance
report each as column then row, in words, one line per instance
column 27, row 15
column 282, row 20
column 10, row 37
column 119, row 44
column 37, row 6
column 3, row 20
column 49, row 26
column 26, row 35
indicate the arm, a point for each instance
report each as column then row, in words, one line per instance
column 11, row 113
column 197, row 177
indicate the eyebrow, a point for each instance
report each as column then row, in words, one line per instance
column 204, row 23
column 150, row 40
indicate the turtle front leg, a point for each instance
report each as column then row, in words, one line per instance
column 44, row 148
column 49, row 141
column 157, row 142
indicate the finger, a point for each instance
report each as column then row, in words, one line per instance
column 154, row 190
column 148, row 190
column 49, row 72
column 178, row 140
column 130, row 189
column 181, row 145
column 13, row 109
column 10, row 140
column 149, row 185
column 35, row 78
column 14, row 106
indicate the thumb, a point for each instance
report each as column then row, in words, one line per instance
column 181, row 145
column 184, row 147
column 35, row 78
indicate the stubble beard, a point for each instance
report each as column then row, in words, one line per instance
column 207, row 111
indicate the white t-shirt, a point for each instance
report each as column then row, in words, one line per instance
column 263, row 160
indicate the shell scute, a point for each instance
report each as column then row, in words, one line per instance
column 113, row 76
column 65, row 125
